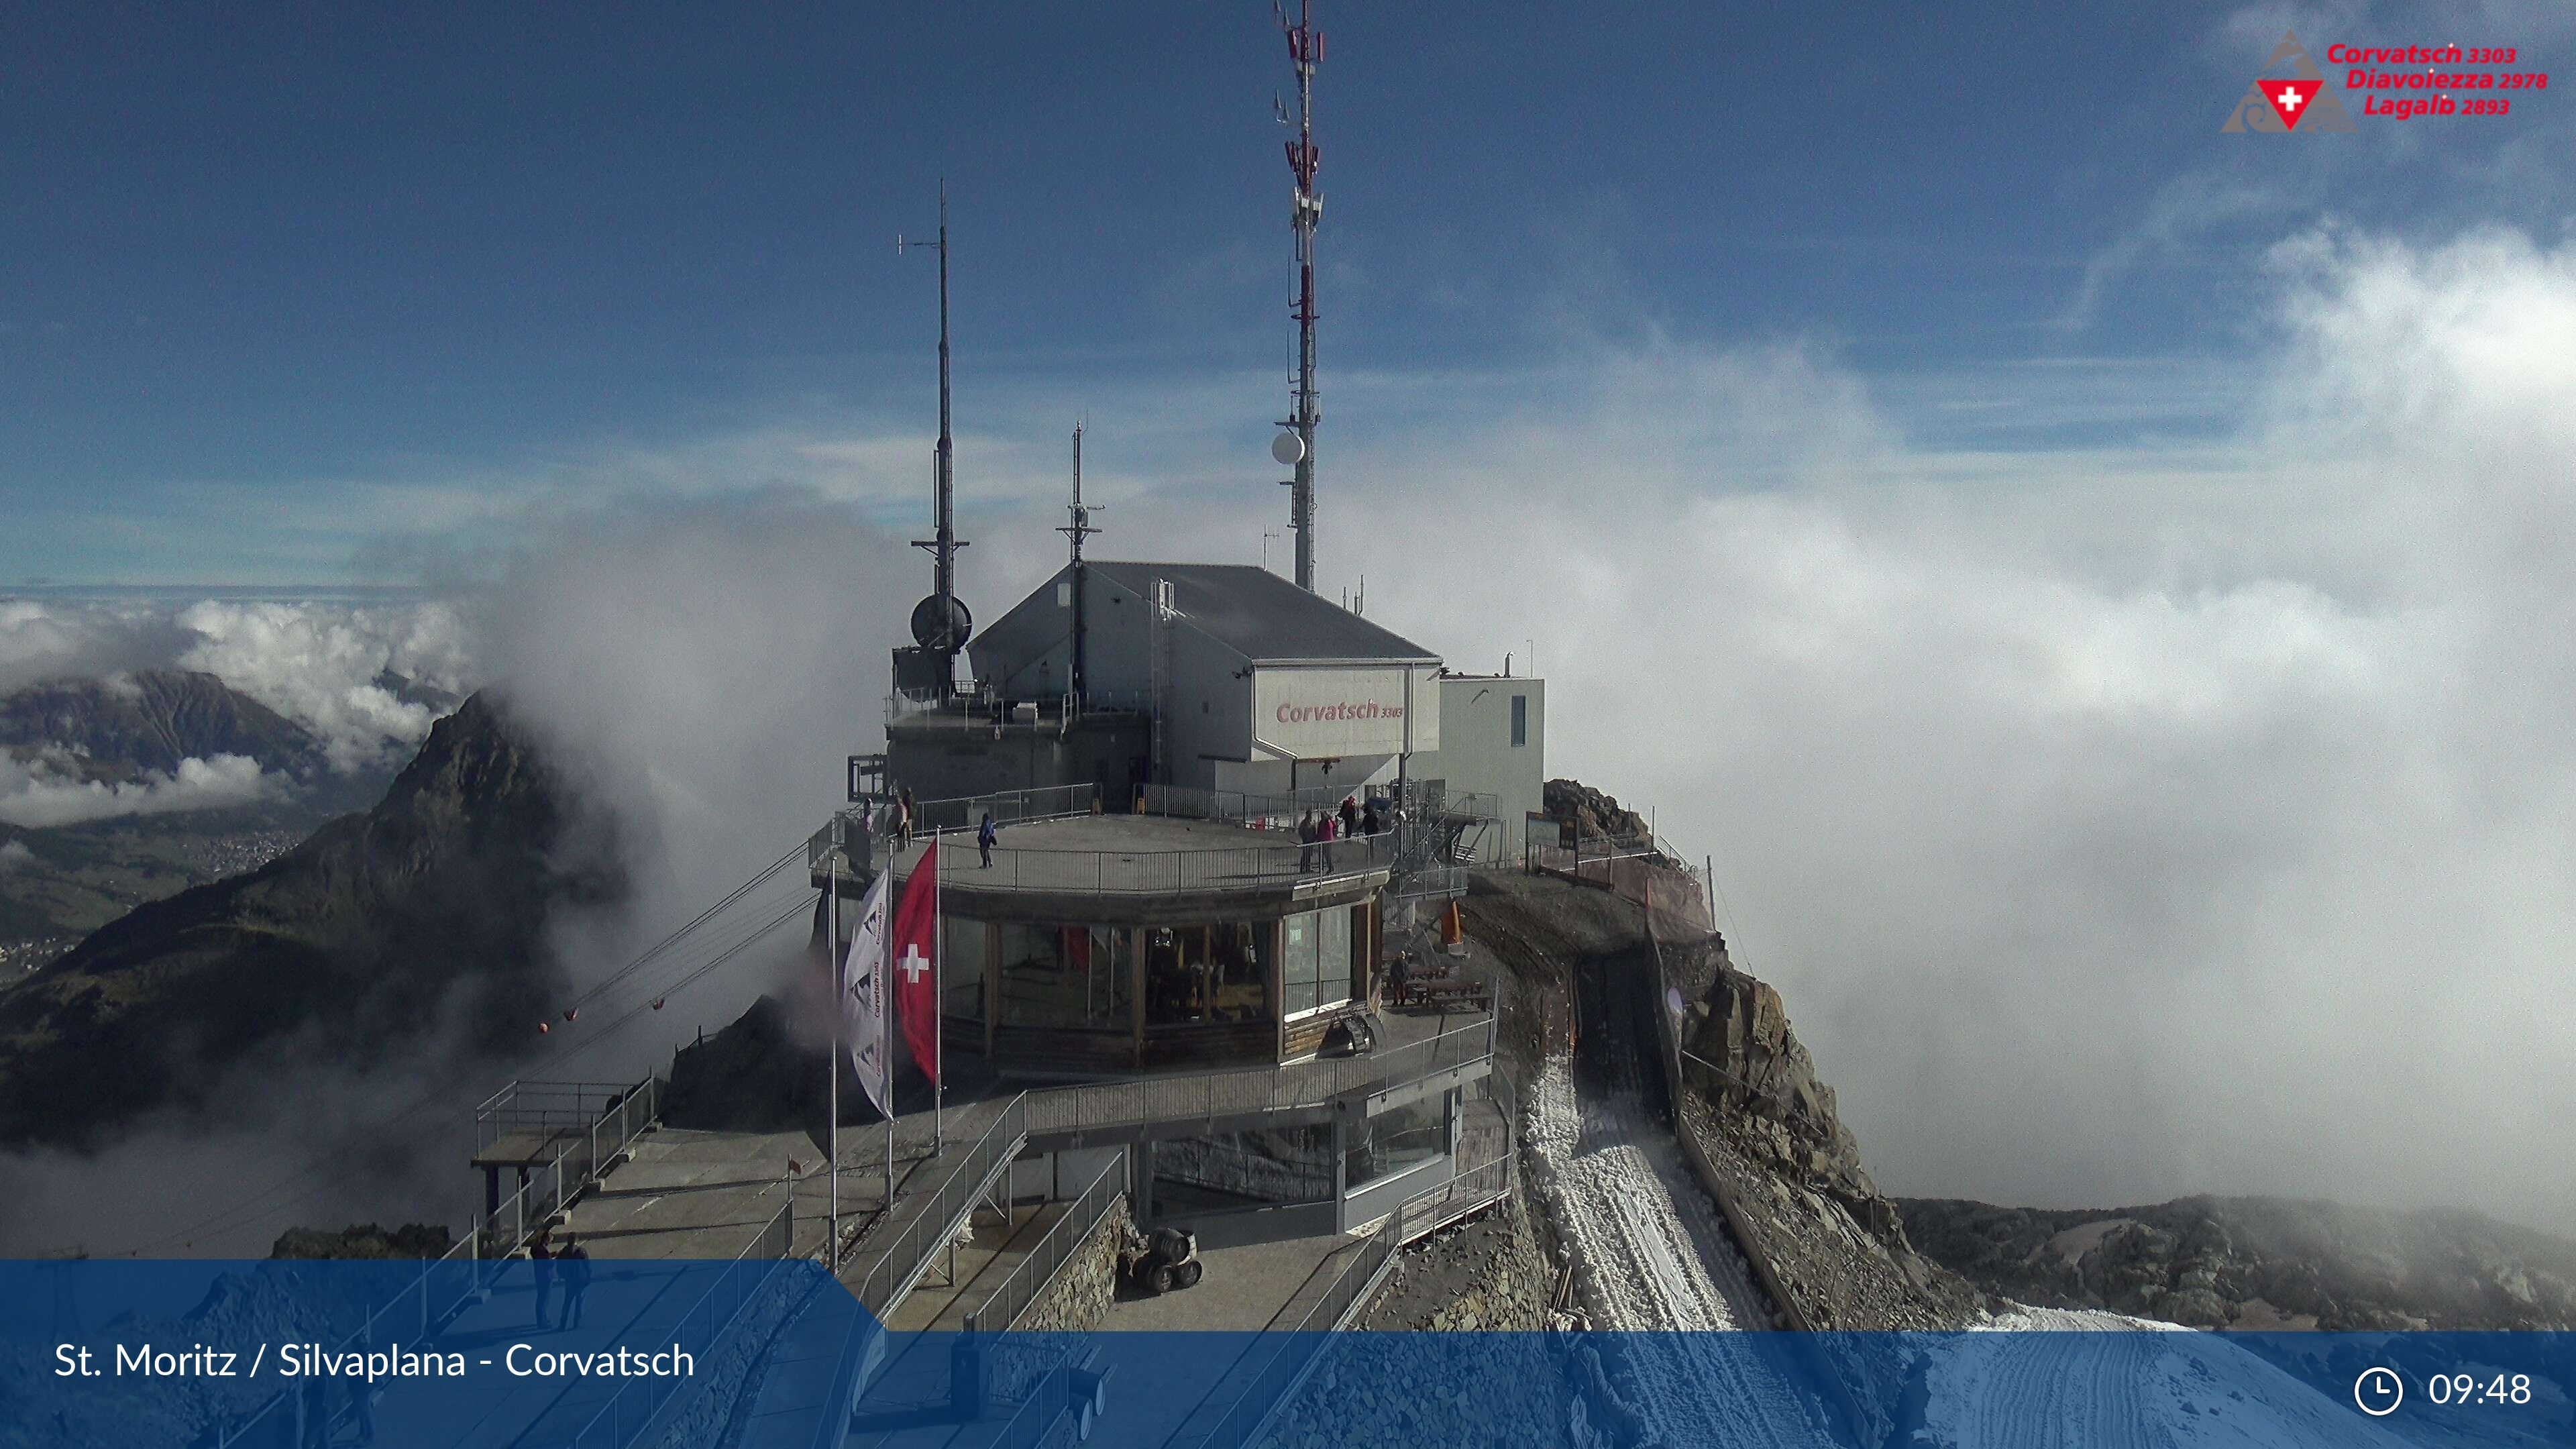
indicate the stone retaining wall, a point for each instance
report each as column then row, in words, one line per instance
column 1078, row 1298
column 726, row 1384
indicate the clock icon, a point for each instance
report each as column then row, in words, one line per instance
column 2379, row 1391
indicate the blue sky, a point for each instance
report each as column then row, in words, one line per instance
column 284, row 281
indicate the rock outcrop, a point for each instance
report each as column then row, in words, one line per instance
column 1596, row 814
column 2260, row 1263
column 364, row 1240
column 1768, row 1127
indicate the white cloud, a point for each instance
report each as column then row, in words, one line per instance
column 317, row 664
column 15, row 856
column 313, row 660
column 40, row 792
column 2221, row 852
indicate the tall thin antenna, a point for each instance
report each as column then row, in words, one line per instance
column 940, row 623
column 1306, row 48
column 1077, row 530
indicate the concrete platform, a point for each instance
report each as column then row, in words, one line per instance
column 1245, row 1287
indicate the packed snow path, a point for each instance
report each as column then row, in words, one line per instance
column 1650, row 1249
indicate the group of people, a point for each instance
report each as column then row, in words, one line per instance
column 571, row 1263
column 1318, row 829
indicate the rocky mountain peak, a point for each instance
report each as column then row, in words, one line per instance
column 421, row 919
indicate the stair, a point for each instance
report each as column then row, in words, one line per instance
column 944, row 1296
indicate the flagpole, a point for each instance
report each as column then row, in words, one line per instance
column 832, row 1067
column 885, row 1024
column 938, row 1004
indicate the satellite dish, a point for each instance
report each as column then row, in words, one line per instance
column 1289, row 449
column 931, row 631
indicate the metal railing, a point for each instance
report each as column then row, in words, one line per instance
column 1167, row 872
column 864, row 831
column 905, row 1256
column 1274, row 810
column 1104, row 1106
column 1298, row 1326
column 1644, row 869
column 548, row 1106
column 580, row 1160
column 631, row 1409
column 1003, row 1306
column 854, row 829
column 591, row 1113
column 1429, row 883
column 1209, row 1095
column 965, row 812
column 1047, row 1400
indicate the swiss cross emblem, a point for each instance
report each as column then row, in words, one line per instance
column 2290, row 98
column 913, row 963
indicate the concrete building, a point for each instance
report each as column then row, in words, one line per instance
column 1493, row 741
column 1209, row 676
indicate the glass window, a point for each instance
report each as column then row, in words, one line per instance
column 1315, row 960
column 1206, row 974
column 1107, row 952
column 1520, row 720
column 961, row 967
column 1171, row 994
column 1407, row 1137
column 1238, row 977
column 1064, row 976
column 1297, row 963
column 1333, row 957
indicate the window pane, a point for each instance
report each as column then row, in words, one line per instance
column 1241, row 981
column 961, row 967
column 1105, row 996
column 1297, row 952
column 1333, row 956
column 1520, row 720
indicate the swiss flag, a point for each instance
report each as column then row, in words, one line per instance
column 2289, row 98
column 913, row 950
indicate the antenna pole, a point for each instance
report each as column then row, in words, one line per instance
column 1306, row 47
column 943, row 542
column 947, row 520
column 1077, row 529
column 832, row 1074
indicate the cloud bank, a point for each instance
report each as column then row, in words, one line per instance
column 321, row 663
column 46, row 790
column 2114, row 835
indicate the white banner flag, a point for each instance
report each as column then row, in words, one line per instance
column 863, row 998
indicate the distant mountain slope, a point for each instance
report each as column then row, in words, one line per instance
column 419, row 920
column 2255, row 1262
column 117, row 727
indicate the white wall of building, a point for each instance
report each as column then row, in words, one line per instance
column 1482, row 751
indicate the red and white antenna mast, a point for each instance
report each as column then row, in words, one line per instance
column 1306, row 48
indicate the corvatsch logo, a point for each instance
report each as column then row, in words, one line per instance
column 2291, row 99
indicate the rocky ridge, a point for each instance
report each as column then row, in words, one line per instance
column 2260, row 1263
column 420, row 920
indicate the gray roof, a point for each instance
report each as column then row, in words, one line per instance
column 1262, row 616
